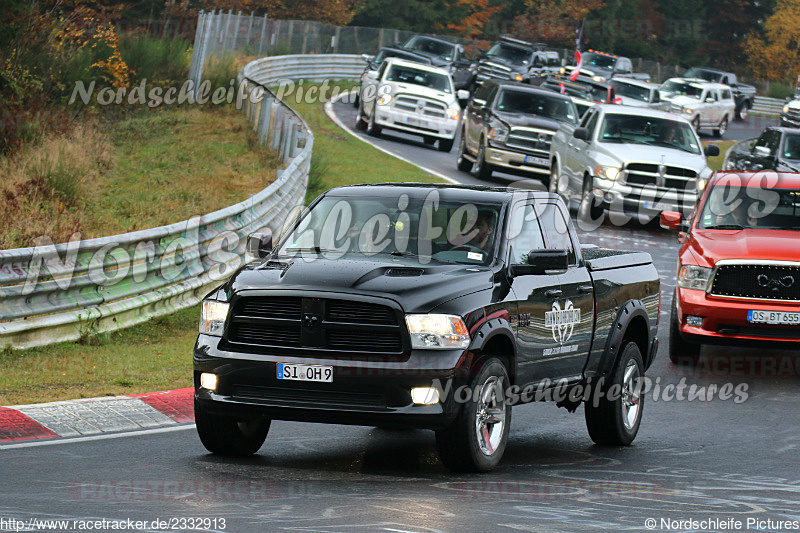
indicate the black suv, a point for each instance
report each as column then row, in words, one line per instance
column 777, row 148
column 508, row 127
column 512, row 60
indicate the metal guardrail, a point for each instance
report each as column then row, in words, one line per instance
column 52, row 293
column 767, row 106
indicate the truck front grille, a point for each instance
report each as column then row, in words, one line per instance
column 325, row 327
column 532, row 141
column 767, row 282
column 493, row 70
column 680, row 178
column 420, row 106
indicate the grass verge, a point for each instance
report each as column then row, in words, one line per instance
column 157, row 355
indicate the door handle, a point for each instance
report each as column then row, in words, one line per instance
column 585, row 289
column 553, row 293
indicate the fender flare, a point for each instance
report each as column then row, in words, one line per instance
column 491, row 329
column 625, row 315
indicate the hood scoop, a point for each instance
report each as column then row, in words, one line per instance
column 275, row 265
column 403, row 272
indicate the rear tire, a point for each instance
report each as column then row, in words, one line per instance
column 743, row 111
column 476, row 440
column 445, row 145
column 616, row 418
column 681, row 352
column 361, row 124
column 230, row 436
column 696, row 124
column 722, row 128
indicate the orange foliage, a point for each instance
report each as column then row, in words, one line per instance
column 480, row 13
column 339, row 12
column 775, row 57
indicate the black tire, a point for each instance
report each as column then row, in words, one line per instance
column 591, row 208
column 445, row 145
column 742, row 112
column 481, row 169
column 463, row 164
column 356, row 101
column 720, row 130
column 681, row 352
column 373, row 130
column 229, row 436
column 696, row 123
column 615, row 419
column 361, row 124
column 459, row 446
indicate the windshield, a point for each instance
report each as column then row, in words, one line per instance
column 731, row 206
column 426, row 228
column 632, row 91
column 423, row 78
column 702, row 74
column 651, row 131
column 680, row 88
column 430, row 47
column 791, row 146
column 512, row 54
column 511, row 101
column 590, row 59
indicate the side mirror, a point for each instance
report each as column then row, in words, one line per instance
column 762, row 151
column 581, row 133
column 368, row 58
column 259, row 244
column 479, row 102
column 540, row 261
column 670, row 220
column 710, row 99
column 711, row 150
column 462, row 94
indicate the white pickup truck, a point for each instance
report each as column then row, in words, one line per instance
column 702, row 103
column 411, row 98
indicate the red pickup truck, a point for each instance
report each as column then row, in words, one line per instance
column 739, row 264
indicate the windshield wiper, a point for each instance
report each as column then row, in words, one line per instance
column 315, row 249
column 724, row 226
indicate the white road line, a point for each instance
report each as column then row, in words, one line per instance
column 328, row 107
column 37, row 443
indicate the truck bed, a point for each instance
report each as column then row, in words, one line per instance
column 607, row 259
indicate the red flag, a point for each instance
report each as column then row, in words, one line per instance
column 577, row 71
column 563, row 89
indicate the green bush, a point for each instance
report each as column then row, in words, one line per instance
column 780, row 89
column 160, row 61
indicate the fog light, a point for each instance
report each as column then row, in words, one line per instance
column 424, row 395
column 208, row 381
column 694, row 321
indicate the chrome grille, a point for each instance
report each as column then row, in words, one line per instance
column 641, row 174
column 761, row 281
column 529, row 140
column 493, row 70
column 421, row 106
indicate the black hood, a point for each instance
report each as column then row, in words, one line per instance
column 528, row 121
column 515, row 67
column 418, row 288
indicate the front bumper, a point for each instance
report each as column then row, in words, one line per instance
column 792, row 119
column 725, row 320
column 647, row 202
column 363, row 392
column 441, row 128
column 517, row 160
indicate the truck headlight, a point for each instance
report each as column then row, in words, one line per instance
column 609, row 173
column 687, row 110
column 212, row 317
column 498, row 134
column 453, row 113
column 693, row 277
column 598, row 78
column 786, row 109
column 385, row 99
column 562, row 70
column 437, row 332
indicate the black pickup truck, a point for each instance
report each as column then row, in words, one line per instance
column 744, row 95
column 512, row 59
column 777, row 148
column 426, row 306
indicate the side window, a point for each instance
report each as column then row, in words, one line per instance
column 556, row 231
column 726, row 94
column 382, row 70
column 587, row 117
column 537, row 62
column 590, row 121
column 625, row 65
column 483, row 92
column 524, row 234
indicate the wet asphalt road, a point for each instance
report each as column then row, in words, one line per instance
column 702, row 459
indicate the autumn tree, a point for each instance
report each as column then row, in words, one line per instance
column 774, row 56
column 554, row 21
column 339, row 12
column 478, row 14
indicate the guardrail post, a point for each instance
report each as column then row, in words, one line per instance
column 235, row 38
column 263, row 118
column 249, row 29
column 291, row 34
column 263, row 32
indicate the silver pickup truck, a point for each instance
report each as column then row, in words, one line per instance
column 633, row 160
